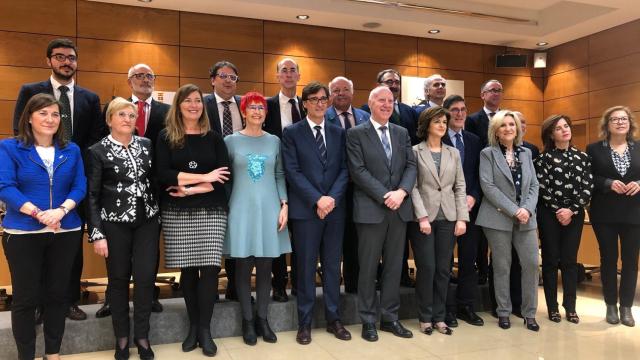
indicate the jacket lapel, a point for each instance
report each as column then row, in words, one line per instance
column 375, row 142
column 446, row 159
column 502, row 163
column 213, row 110
column 311, row 138
column 425, row 156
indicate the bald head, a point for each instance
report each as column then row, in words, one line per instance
column 381, row 104
column 141, row 80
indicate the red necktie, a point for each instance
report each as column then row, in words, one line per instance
column 142, row 117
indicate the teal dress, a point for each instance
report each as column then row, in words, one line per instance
column 258, row 187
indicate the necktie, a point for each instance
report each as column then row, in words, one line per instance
column 142, row 117
column 460, row 146
column 227, row 124
column 320, row 143
column 65, row 112
column 491, row 114
column 347, row 123
column 295, row 115
column 385, row 144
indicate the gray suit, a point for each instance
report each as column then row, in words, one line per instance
column 381, row 230
column 503, row 231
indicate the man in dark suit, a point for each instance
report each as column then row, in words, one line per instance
column 314, row 159
column 80, row 118
column 223, row 109
column 469, row 146
column 383, row 169
column 284, row 109
column 523, row 123
column 149, row 123
column 343, row 114
column 435, row 90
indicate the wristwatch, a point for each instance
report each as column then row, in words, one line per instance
column 64, row 208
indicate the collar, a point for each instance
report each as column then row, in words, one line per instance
column 313, row 125
column 135, row 99
column 339, row 112
column 487, row 111
column 432, row 104
column 377, row 125
column 452, row 133
column 285, row 99
column 220, row 99
column 118, row 142
column 56, row 84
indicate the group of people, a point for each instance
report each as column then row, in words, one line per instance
column 249, row 179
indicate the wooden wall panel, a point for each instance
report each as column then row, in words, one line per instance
column 473, row 104
column 623, row 70
column 614, row 43
column 311, row 69
column 118, row 57
column 576, row 107
column 579, row 134
column 568, row 56
column 472, row 80
column 593, row 130
column 381, row 48
column 108, row 85
column 231, row 33
column 521, row 87
column 364, row 75
column 6, row 112
column 628, row 95
column 303, row 40
column 39, row 16
column 196, row 62
column 532, row 110
column 442, row 54
column 567, row 83
column 533, row 135
column 20, row 49
column 12, row 78
column 489, row 53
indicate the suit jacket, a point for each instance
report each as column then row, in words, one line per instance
column 373, row 177
column 214, row 114
column 471, row 163
column 408, row 120
column 332, row 116
column 606, row 205
column 499, row 203
column 156, row 119
column 534, row 149
column 88, row 125
column 439, row 189
column 478, row 124
column 272, row 123
column 308, row 177
column 418, row 109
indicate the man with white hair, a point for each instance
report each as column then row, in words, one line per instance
column 435, row 90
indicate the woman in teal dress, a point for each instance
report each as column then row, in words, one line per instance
column 258, row 211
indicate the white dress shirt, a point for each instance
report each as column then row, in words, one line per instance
column 312, row 125
column 236, row 117
column 377, row 126
column 285, row 109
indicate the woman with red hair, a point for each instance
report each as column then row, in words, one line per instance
column 258, row 211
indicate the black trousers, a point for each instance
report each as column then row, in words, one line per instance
column 467, row 255
column 350, row 267
column 629, row 235
column 133, row 250
column 559, row 247
column 27, row 255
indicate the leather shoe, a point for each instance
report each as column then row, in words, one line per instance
column 338, row 330
column 263, row 329
column 249, row 332
column 145, row 353
column 467, row 314
column 531, row 324
column 450, row 319
column 504, row 322
column 612, row 315
column 156, row 307
column 304, row 335
column 369, row 332
column 209, row 348
column 104, row 311
column 280, row 295
column 191, row 341
column 626, row 317
column 75, row 313
column 396, row 328
column 39, row 315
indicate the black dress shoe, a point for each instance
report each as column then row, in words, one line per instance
column 531, row 324
column 280, row 295
column 338, row 330
column 75, row 313
column 191, row 341
column 249, row 332
column 209, row 348
column 504, row 322
column 467, row 314
column 156, row 307
column 263, row 329
column 450, row 319
column 482, row 279
column 145, row 353
column 396, row 328
column 39, row 315
column 104, row 311
column 304, row 335
column 369, row 332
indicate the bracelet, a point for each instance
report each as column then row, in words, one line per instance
column 64, row 208
column 35, row 212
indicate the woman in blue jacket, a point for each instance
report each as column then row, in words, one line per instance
column 41, row 181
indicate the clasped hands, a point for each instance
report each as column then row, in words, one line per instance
column 324, row 206
column 51, row 217
column 522, row 215
column 393, row 199
column 621, row 188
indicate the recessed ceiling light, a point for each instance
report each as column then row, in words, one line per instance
column 302, row 17
column 434, row 31
column 371, row 25
column 145, row 1
column 542, row 43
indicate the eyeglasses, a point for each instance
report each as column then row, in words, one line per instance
column 255, row 107
column 126, row 115
column 391, row 82
column 292, row 70
column 231, row 77
column 63, row 57
column 142, row 76
column 619, row 120
column 315, row 100
column 493, row 91
column 457, row 111
column 439, row 85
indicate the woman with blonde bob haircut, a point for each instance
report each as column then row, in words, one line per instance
column 508, row 214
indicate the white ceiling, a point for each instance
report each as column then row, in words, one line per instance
column 553, row 21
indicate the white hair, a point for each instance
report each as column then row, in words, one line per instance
column 338, row 78
column 279, row 64
column 376, row 90
column 132, row 69
column 428, row 81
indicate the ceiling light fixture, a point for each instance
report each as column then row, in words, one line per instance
column 434, row 31
column 145, row 1
column 302, row 17
column 542, row 43
column 371, row 25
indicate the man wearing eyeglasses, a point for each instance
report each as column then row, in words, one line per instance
column 435, row 90
column 223, row 106
column 314, row 159
column 478, row 123
column 81, row 120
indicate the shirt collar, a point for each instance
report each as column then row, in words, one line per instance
column 452, row 133
column 135, row 99
column 57, row 84
column 285, row 99
column 312, row 124
column 487, row 111
column 118, row 142
column 377, row 125
column 220, row 99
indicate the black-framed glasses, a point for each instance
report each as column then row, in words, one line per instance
column 231, row 77
column 315, row 100
column 619, row 120
column 63, row 57
column 494, row 91
column 391, row 82
column 142, row 76
column 457, row 111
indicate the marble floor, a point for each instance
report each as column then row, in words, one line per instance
column 593, row 338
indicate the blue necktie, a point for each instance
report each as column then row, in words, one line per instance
column 320, row 143
column 385, row 144
column 460, row 146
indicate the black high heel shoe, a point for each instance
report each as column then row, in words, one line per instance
column 504, row 322
column 249, row 332
column 145, row 353
column 531, row 324
column 427, row 329
column 572, row 317
column 263, row 329
column 122, row 353
column 555, row 316
column 445, row 330
column 209, row 348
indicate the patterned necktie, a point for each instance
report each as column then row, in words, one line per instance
column 347, row 123
column 65, row 112
column 295, row 115
column 385, row 144
column 320, row 144
column 460, row 146
column 142, row 117
column 227, row 124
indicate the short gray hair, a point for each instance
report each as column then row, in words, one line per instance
column 279, row 64
column 132, row 69
column 338, row 78
column 428, row 81
column 484, row 84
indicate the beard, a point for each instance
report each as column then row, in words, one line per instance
column 63, row 75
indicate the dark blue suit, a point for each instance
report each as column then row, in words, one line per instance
column 418, row 109
column 478, row 124
column 333, row 117
column 310, row 178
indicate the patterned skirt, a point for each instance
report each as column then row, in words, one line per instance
column 193, row 237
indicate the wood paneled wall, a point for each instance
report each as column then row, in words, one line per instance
column 181, row 46
column 586, row 76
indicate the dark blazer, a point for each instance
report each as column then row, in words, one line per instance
column 307, row 176
column 214, row 114
column 272, row 123
column 478, row 124
column 534, row 149
column 156, row 119
column 373, row 177
column 418, row 109
column 88, row 124
column 471, row 162
column 606, row 205
column 332, row 116
column 408, row 120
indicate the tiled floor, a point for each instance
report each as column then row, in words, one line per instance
column 593, row 338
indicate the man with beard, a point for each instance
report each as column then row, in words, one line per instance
column 82, row 123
